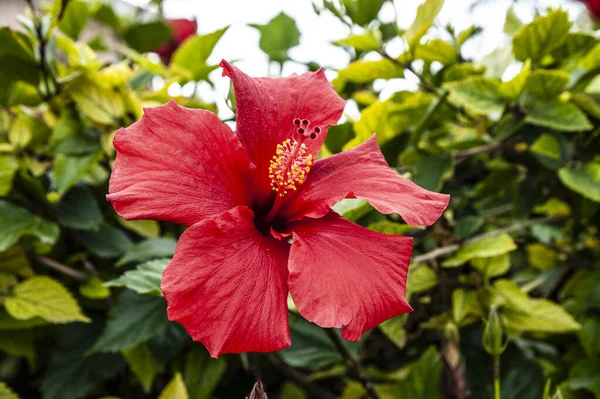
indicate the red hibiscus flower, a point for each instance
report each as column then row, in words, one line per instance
column 259, row 211
column 182, row 29
column 593, row 6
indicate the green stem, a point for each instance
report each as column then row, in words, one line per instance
column 497, row 377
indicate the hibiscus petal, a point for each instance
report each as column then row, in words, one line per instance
column 362, row 172
column 227, row 285
column 180, row 165
column 343, row 275
column 267, row 107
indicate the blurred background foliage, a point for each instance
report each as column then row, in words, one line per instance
column 505, row 287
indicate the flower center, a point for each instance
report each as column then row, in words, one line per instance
column 291, row 163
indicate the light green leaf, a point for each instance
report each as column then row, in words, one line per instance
column 591, row 60
column 374, row 119
column 202, row 373
column 43, row 297
column 20, row 133
column 466, row 308
column 538, row 38
column 477, row 94
column 493, row 266
column 278, row 36
column 546, row 84
column 106, row 242
column 369, row 41
column 389, row 227
column 142, row 364
column 191, row 57
column 541, row 257
column 78, row 209
column 485, row 248
column 76, row 16
column 584, row 181
column 547, row 145
column 553, row 207
column 512, row 23
column 426, row 14
column 8, row 167
column 394, row 329
column 149, row 249
column 176, row 389
column 559, row 115
column 513, row 88
column 94, row 289
column 367, row 71
column 420, row 278
column 437, row 50
column 145, row 279
column 17, row 222
column 145, row 228
column 521, row 313
column 134, row 320
column 68, row 169
column 101, row 104
column 362, row 12
column 6, row 392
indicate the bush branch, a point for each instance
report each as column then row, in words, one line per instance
column 63, row 269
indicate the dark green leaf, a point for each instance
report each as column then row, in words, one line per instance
column 79, row 210
column 106, row 242
column 149, row 249
column 278, row 36
column 147, row 36
column 16, row 222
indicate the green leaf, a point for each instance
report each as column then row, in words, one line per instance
column 513, row 88
column 6, row 392
column 584, row 181
column 175, row 389
column 546, row 84
column 426, row 14
column 17, row 61
column 106, row 242
column 485, row 248
column 547, row 145
column 147, row 36
column 191, row 57
column 75, row 17
column 145, row 228
column 420, row 278
column 43, row 297
column 553, row 207
column 68, row 170
column 394, row 329
column 512, row 23
column 18, row 343
column 369, row 41
column 432, row 171
column 79, row 210
column 101, row 104
column 17, row 222
column 466, row 308
column 367, row 71
column 477, row 94
column 422, row 374
column 584, row 375
column 361, row 12
column 493, row 266
column 538, row 38
column 142, row 364
column 20, row 133
column 437, row 50
column 467, row 226
column 71, row 373
column 558, row 115
column 589, row 335
column 278, row 36
column 8, row 167
column 202, row 373
column 149, row 249
column 134, row 320
column 522, row 313
column 94, row 289
column 145, row 279
column 389, row 227
column 541, row 257
column 7, row 322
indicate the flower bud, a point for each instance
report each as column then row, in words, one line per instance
column 494, row 340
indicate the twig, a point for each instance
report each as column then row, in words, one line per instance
column 454, row 247
column 59, row 267
column 478, row 150
column 353, row 363
column 300, row 379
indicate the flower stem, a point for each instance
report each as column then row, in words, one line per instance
column 496, row 376
column 353, row 363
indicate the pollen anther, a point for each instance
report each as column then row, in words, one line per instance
column 289, row 168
